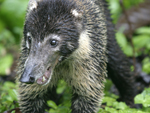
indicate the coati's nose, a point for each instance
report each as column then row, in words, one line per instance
column 29, row 79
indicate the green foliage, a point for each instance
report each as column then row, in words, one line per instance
column 116, row 9
column 113, row 106
column 107, row 93
column 142, row 41
column 125, row 45
column 58, row 109
column 6, row 63
column 8, row 96
column 64, row 107
column 143, row 98
column 141, row 44
column 146, row 65
column 12, row 14
column 61, row 87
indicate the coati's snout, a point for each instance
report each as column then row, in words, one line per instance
column 27, row 78
column 35, row 73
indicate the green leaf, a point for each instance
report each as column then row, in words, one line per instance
column 141, row 41
column 143, row 98
column 125, row 46
column 61, row 87
column 111, row 110
column 52, row 104
column 12, row 94
column 143, row 30
column 128, row 50
column 5, row 64
column 8, row 85
column 60, row 109
column 146, row 65
column 121, row 39
column 63, row 109
column 110, row 101
column 103, row 111
column 121, row 105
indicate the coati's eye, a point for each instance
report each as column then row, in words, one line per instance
column 53, row 42
column 29, row 39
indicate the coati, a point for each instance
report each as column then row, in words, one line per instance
column 72, row 40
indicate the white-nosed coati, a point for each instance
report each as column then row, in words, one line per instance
column 72, row 40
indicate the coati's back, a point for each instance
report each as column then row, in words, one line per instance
column 63, row 39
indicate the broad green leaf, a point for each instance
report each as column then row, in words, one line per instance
column 121, row 105
column 52, row 104
column 12, row 94
column 143, row 98
column 109, row 101
column 141, row 41
column 121, row 39
column 128, row 50
column 143, row 30
column 125, row 46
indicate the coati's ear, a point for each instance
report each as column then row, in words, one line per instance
column 33, row 4
column 77, row 14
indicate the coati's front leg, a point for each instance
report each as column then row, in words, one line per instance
column 33, row 99
column 83, row 104
column 87, row 95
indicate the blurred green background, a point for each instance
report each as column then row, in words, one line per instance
column 12, row 14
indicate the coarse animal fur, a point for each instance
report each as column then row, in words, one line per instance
column 70, row 40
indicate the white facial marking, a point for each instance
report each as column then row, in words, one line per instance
column 53, row 36
column 56, row 37
column 32, row 5
column 76, row 13
column 28, row 34
column 25, row 62
column 27, row 42
column 39, row 44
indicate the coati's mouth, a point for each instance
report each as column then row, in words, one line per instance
column 45, row 78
